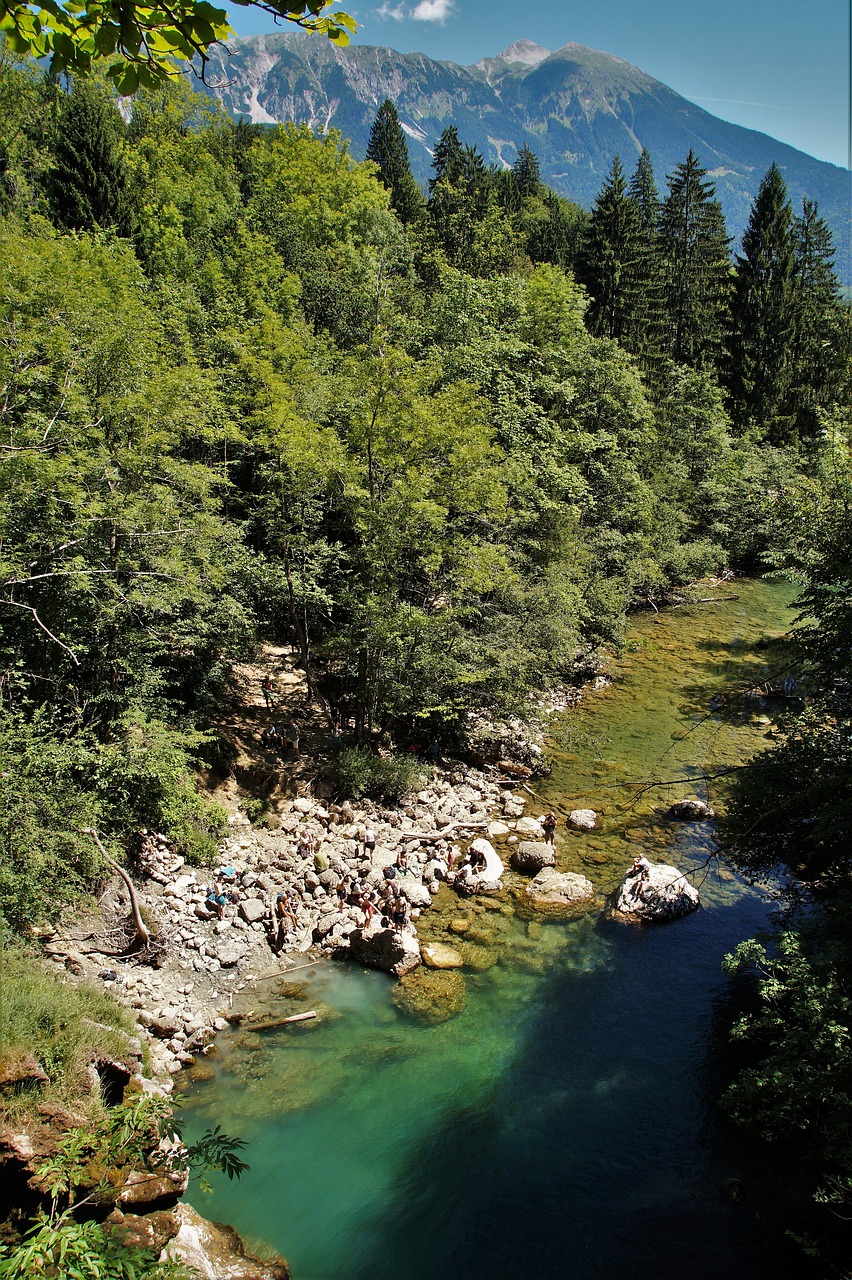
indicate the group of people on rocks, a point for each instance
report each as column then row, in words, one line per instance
column 282, row 738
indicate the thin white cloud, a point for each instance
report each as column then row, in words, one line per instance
column 740, row 102
column 432, row 10
column 387, row 10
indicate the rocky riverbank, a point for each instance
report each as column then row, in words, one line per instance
column 203, row 962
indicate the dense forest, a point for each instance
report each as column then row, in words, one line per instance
column 442, row 442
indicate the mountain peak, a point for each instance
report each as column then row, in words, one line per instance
column 526, row 51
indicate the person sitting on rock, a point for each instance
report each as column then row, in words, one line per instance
column 548, row 822
column 305, row 847
column 402, row 866
column 641, row 869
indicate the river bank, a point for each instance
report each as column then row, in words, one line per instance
column 573, row 1088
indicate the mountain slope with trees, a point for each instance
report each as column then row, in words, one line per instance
column 576, row 108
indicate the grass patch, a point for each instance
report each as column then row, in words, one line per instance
column 46, row 1016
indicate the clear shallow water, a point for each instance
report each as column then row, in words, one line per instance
column 563, row 1124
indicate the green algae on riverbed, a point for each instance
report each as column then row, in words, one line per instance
column 561, row 1124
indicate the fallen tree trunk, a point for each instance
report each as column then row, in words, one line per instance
column 142, row 934
column 432, row 837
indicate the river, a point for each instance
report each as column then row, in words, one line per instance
column 564, row 1124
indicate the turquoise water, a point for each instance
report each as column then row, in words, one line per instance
column 563, row 1124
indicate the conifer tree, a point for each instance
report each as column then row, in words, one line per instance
column 818, row 352
column 526, row 173
column 645, row 336
column 88, row 187
column 448, row 160
column 610, row 257
column 643, row 190
column 388, row 149
column 695, row 266
column 762, row 311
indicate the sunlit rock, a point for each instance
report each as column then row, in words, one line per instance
column 656, row 892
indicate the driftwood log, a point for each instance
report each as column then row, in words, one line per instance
column 432, row 837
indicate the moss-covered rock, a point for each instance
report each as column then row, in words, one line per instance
column 431, row 996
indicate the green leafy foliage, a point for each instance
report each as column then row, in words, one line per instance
column 360, row 773
column 140, row 44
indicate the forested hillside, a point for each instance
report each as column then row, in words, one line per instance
column 251, row 389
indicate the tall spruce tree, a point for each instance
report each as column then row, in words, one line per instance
column 88, row 185
column 696, row 268
column 818, row 349
column 526, row 173
column 645, row 335
column 762, row 312
column 448, row 160
column 608, row 264
column 388, row 149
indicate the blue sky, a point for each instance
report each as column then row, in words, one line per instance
column 780, row 66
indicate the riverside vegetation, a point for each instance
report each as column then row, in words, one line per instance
column 253, row 391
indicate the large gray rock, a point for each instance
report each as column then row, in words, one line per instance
column 691, row 810
column 394, row 951
column 532, row 856
column 253, row 909
column 416, row 893
column 229, row 952
column 583, row 819
column 529, row 827
column 663, row 894
column 555, row 892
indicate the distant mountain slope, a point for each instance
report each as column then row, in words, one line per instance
column 575, row 107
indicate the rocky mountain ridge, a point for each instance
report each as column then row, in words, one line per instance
column 575, row 107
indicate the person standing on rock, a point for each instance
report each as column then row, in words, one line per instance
column 549, row 824
column 294, row 733
column 641, row 869
column 369, row 842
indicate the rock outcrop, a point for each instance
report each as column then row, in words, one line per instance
column 216, row 1252
column 556, row 893
column 395, row 951
column 656, row 893
column 691, row 810
column 532, row 856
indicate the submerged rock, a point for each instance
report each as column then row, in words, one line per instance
column 556, row 893
column 691, row 810
column 532, row 856
column 431, row 995
column 437, row 955
column 391, row 950
column 656, row 892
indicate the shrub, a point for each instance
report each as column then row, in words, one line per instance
column 360, row 773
